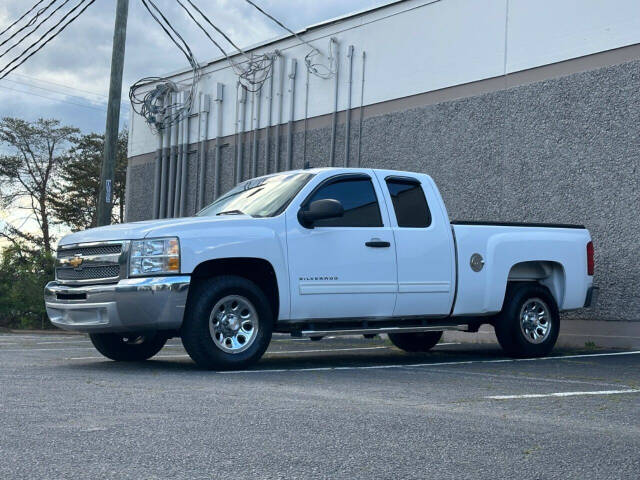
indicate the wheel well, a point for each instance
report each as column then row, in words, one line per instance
column 546, row 273
column 258, row 270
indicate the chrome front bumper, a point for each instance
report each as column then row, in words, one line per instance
column 152, row 303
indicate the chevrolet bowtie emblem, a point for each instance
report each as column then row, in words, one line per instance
column 76, row 261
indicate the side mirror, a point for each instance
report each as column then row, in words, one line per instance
column 320, row 210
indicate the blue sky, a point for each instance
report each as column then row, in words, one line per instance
column 68, row 79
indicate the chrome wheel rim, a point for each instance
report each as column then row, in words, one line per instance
column 535, row 320
column 233, row 324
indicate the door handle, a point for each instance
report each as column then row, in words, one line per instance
column 377, row 244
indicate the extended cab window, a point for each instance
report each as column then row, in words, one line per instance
column 409, row 203
column 358, row 198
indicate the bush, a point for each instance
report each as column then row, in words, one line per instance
column 23, row 276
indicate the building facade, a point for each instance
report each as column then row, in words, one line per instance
column 519, row 110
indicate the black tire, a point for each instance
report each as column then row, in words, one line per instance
column 134, row 347
column 415, row 342
column 197, row 338
column 517, row 339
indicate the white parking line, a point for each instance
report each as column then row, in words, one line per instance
column 66, row 342
column 436, row 364
column 326, row 350
column 559, row 394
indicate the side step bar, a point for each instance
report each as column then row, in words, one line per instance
column 373, row 331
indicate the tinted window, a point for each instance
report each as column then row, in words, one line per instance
column 358, row 199
column 409, row 203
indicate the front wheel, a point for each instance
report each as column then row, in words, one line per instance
column 529, row 323
column 228, row 323
column 132, row 347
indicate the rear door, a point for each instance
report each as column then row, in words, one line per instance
column 343, row 267
column 424, row 246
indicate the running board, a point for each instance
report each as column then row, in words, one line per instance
column 373, row 331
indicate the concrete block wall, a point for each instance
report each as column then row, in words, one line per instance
column 563, row 149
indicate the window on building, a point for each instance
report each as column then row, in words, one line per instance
column 358, row 198
column 409, row 203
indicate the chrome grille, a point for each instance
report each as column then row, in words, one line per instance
column 89, row 273
column 92, row 263
column 97, row 250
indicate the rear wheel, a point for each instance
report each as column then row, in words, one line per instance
column 228, row 323
column 415, row 342
column 133, row 347
column 529, row 323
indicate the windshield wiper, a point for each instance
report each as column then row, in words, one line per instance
column 231, row 212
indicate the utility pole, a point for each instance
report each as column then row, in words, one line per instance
column 105, row 198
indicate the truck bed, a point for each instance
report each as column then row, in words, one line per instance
column 551, row 254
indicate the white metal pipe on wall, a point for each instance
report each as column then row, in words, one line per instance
column 184, row 166
column 280, row 95
column 203, row 125
column 216, row 168
column 292, row 105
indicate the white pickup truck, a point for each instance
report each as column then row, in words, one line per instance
column 313, row 253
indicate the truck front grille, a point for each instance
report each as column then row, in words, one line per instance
column 89, row 273
column 114, row 249
column 93, row 263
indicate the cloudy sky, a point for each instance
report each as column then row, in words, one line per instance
column 68, row 79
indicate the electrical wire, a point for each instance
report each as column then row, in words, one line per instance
column 254, row 71
column 156, row 105
column 6, row 70
column 52, row 98
column 318, row 69
column 32, row 21
column 21, row 17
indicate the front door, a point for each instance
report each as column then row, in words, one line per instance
column 343, row 267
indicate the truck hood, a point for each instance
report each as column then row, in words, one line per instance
column 149, row 228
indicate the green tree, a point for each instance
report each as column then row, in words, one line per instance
column 75, row 197
column 22, row 280
column 37, row 150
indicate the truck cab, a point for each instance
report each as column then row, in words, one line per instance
column 317, row 252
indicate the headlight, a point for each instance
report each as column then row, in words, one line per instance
column 154, row 256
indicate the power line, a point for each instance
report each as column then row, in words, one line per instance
column 158, row 106
column 59, row 92
column 257, row 68
column 36, row 79
column 52, row 98
column 31, row 22
column 4, row 72
column 21, row 17
column 311, row 66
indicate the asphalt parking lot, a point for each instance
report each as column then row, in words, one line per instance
column 339, row 408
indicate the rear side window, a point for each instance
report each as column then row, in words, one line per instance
column 358, row 198
column 409, row 203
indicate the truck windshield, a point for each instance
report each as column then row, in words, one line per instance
column 259, row 197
